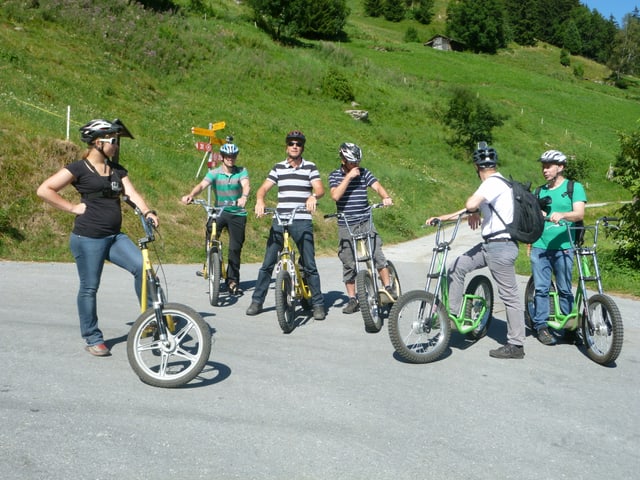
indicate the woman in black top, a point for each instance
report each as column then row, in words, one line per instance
column 96, row 235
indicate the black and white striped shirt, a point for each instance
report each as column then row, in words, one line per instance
column 294, row 185
column 354, row 203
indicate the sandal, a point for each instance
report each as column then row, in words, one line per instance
column 234, row 289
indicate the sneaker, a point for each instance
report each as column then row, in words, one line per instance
column 391, row 292
column 318, row 312
column 352, row 307
column 545, row 337
column 507, row 351
column 98, row 350
column 254, row 309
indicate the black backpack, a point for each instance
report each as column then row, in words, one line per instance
column 578, row 227
column 528, row 220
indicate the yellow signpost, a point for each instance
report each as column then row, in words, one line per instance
column 210, row 132
column 207, row 147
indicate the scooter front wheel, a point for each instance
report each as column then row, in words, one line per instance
column 173, row 361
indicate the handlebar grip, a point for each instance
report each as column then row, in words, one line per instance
column 610, row 219
column 330, row 215
column 129, row 202
column 148, row 228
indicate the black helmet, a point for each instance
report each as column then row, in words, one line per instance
column 350, row 152
column 99, row 128
column 296, row 135
column 485, row 156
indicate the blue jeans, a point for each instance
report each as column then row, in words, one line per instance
column 90, row 255
column 500, row 257
column 543, row 264
column 301, row 232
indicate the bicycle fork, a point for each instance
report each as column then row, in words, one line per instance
column 152, row 283
column 585, row 275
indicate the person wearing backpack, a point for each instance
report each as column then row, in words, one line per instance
column 552, row 253
column 491, row 202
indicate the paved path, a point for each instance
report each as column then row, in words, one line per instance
column 327, row 401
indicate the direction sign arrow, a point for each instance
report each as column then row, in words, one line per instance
column 206, row 131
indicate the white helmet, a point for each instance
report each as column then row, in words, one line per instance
column 350, row 152
column 553, row 156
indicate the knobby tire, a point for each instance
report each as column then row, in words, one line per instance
column 394, row 279
column 530, row 303
column 419, row 327
column 369, row 304
column 480, row 286
column 285, row 303
column 603, row 340
column 215, row 276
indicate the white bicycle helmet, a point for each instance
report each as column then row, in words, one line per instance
column 350, row 152
column 553, row 156
column 98, row 128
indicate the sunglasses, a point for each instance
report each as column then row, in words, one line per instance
column 294, row 144
column 112, row 141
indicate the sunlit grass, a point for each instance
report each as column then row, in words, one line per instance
column 233, row 72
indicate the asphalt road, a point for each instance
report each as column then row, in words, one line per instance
column 327, row 401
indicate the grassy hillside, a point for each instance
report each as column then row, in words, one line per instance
column 221, row 68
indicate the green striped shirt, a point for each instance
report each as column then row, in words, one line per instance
column 227, row 187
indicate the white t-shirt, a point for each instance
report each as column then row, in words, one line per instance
column 497, row 193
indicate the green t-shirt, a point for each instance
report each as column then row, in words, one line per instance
column 554, row 236
column 228, row 188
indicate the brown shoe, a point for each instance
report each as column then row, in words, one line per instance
column 98, row 350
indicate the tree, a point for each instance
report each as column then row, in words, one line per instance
column 471, row 119
column 625, row 57
column 321, row 19
column 627, row 174
column 479, row 24
column 521, row 18
column 423, row 12
column 301, row 18
column 373, row 8
column 394, row 10
column 571, row 38
column 551, row 16
column 597, row 33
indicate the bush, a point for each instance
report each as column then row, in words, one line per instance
column 423, row 13
column 578, row 71
column 627, row 174
column 411, row 35
column 301, row 18
column 373, row 8
column 471, row 120
column 394, row 10
column 337, row 86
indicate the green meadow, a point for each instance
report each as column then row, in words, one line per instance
column 220, row 67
